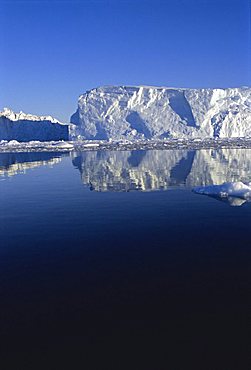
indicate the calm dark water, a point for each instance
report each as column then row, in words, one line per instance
column 109, row 261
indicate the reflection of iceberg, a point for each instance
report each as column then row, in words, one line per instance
column 216, row 166
column 135, row 170
column 14, row 163
column 160, row 169
column 235, row 193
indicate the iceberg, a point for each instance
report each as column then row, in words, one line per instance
column 22, row 127
column 235, row 193
column 146, row 112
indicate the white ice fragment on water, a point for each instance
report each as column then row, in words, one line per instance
column 64, row 145
column 13, row 142
column 34, row 142
column 89, row 145
column 226, row 190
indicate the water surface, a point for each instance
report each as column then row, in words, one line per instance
column 105, row 251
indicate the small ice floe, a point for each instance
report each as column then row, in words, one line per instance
column 13, row 143
column 63, row 145
column 234, row 193
column 35, row 145
column 91, row 145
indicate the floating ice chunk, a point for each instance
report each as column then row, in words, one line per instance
column 233, row 189
column 91, row 145
column 13, row 142
column 63, row 145
column 3, row 142
column 235, row 193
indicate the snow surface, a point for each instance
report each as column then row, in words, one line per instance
column 236, row 193
column 143, row 112
column 27, row 127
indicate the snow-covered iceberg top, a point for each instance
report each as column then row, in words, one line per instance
column 147, row 112
column 236, row 193
column 21, row 116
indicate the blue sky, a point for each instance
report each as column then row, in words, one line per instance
column 52, row 51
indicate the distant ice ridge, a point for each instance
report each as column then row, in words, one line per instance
column 24, row 127
column 8, row 113
column 143, row 112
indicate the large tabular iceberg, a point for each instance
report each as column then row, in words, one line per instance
column 162, row 113
column 27, row 127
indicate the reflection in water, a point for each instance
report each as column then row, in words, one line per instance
column 144, row 170
column 14, row 163
column 232, row 201
column 132, row 170
column 160, row 169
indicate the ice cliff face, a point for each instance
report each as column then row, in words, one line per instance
column 157, row 112
column 27, row 127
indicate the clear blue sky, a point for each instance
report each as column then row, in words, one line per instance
column 52, row 51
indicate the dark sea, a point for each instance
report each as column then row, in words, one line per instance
column 108, row 260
